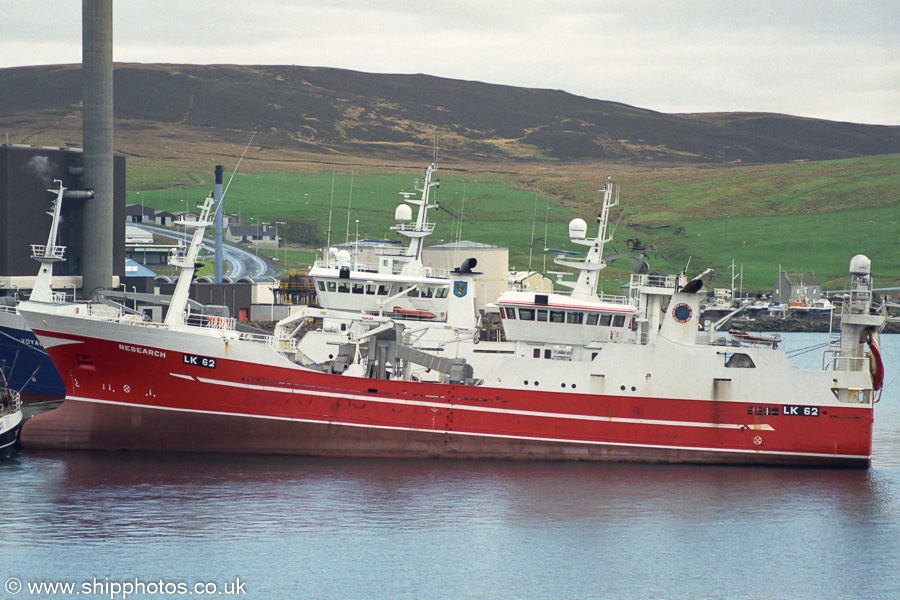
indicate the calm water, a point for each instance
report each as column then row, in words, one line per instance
column 297, row 528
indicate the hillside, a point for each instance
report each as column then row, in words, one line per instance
column 803, row 216
column 191, row 111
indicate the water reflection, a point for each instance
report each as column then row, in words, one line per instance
column 95, row 495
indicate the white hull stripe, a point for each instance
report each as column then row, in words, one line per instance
column 473, row 434
column 483, row 409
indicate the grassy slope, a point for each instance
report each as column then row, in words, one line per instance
column 802, row 216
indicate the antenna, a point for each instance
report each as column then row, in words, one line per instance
column 247, row 147
column 350, row 201
column 531, row 246
column 462, row 211
column 330, row 211
column 546, row 239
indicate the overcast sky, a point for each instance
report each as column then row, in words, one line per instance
column 830, row 59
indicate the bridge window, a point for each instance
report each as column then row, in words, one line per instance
column 619, row 321
column 542, row 314
column 592, row 318
column 739, row 360
column 557, row 316
column 358, row 288
column 526, row 314
column 331, row 286
column 575, row 318
column 321, row 285
column 384, row 290
column 344, row 288
column 605, row 320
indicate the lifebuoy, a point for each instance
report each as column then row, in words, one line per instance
column 876, row 366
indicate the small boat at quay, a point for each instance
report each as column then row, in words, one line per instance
column 583, row 377
column 11, row 418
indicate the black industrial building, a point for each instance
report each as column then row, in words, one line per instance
column 26, row 173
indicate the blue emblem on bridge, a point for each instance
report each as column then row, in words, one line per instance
column 682, row 313
column 460, row 288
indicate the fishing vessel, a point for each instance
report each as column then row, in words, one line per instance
column 804, row 307
column 644, row 384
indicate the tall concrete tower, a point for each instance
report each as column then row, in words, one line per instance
column 97, row 83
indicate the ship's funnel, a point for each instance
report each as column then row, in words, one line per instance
column 467, row 265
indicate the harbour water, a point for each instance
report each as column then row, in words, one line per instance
column 129, row 525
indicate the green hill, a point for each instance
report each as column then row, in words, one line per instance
column 802, row 217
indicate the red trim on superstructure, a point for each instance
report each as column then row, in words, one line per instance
column 590, row 308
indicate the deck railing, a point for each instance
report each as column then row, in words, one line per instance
column 43, row 251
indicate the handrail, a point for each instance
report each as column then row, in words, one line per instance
column 853, row 363
column 43, row 251
column 211, row 321
column 370, row 267
column 429, row 227
column 12, row 402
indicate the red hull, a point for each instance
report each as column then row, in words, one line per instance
column 142, row 398
column 91, row 426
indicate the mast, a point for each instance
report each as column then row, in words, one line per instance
column 49, row 254
column 590, row 266
column 422, row 228
column 187, row 263
column 859, row 316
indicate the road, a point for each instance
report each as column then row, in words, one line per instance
column 237, row 261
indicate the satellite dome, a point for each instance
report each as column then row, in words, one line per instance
column 577, row 229
column 403, row 214
column 860, row 265
column 343, row 258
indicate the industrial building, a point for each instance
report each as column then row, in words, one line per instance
column 26, row 173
